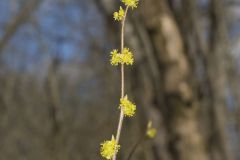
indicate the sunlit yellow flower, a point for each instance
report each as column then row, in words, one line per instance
column 151, row 132
column 118, row 16
column 109, row 148
column 115, row 57
column 128, row 107
column 131, row 3
column 126, row 57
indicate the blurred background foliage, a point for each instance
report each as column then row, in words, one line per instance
column 59, row 95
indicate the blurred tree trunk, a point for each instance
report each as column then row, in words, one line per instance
column 217, row 61
column 180, row 106
column 210, row 56
column 53, row 94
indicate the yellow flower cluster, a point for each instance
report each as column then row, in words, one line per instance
column 118, row 16
column 131, row 3
column 128, row 107
column 109, row 148
column 151, row 132
column 126, row 57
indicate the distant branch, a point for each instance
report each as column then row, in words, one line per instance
column 17, row 21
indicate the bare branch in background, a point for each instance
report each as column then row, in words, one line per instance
column 16, row 22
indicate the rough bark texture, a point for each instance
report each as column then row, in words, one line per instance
column 180, row 106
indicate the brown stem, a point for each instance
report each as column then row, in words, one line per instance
column 140, row 140
column 122, row 84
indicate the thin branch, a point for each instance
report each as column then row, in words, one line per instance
column 15, row 24
column 140, row 140
column 122, row 84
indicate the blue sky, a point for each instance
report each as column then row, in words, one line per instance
column 65, row 30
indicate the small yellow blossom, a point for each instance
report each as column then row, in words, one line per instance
column 115, row 57
column 118, row 16
column 131, row 3
column 128, row 107
column 126, row 57
column 151, row 132
column 109, row 148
